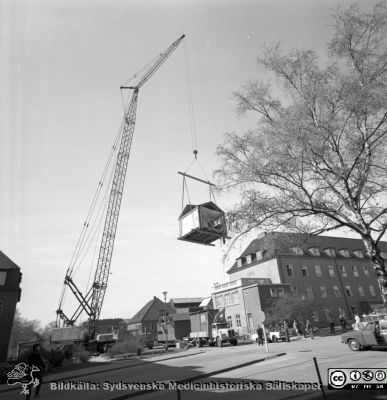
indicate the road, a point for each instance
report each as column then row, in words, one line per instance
column 297, row 365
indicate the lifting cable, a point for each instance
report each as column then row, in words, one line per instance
column 190, row 103
column 192, row 130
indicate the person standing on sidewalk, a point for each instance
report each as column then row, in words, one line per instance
column 343, row 323
column 285, row 327
column 309, row 329
column 331, row 324
column 34, row 359
column 260, row 336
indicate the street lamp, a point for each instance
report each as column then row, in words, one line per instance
column 165, row 318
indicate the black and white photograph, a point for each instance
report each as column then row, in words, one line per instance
column 193, row 199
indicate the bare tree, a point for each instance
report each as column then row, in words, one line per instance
column 289, row 308
column 317, row 161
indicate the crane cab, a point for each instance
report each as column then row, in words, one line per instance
column 203, row 223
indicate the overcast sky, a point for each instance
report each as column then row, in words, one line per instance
column 61, row 68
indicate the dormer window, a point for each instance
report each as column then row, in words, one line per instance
column 259, row 255
column 358, row 253
column 239, row 262
column 344, row 252
column 330, row 252
column 314, row 250
column 297, row 250
column 248, row 259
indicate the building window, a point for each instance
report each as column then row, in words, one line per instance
column 304, row 270
column 343, row 270
column 349, row 291
column 355, row 272
column 314, row 251
column 309, row 292
column 238, row 320
column 318, row 271
column 323, row 291
column 239, row 262
column 259, row 255
column 331, row 271
column 280, row 292
column 328, row 313
column 330, row 252
column 234, row 298
column 229, row 320
column 297, row 250
column 248, row 259
column 293, row 291
column 344, row 252
column 3, row 277
column 218, row 301
column 289, row 270
column 273, row 292
column 358, row 253
column 336, row 291
column 226, row 299
column 365, row 270
column 315, row 315
column 342, row 312
column 361, row 290
column 372, row 290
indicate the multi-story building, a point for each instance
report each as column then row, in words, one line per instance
column 10, row 278
column 334, row 272
column 243, row 298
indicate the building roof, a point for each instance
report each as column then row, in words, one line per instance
column 186, row 300
column 148, row 311
column 205, row 302
column 189, row 207
column 6, row 262
column 272, row 244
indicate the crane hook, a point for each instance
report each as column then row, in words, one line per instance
column 196, row 154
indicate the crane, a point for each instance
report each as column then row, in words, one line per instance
column 91, row 302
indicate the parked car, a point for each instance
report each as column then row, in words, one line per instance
column 273, row 335
column 370, row 334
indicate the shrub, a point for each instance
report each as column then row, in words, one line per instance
column 69, row 351
column 83, row 355
column 56, row 358
column 129, row 345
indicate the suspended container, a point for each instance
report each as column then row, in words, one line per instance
column 203, row 223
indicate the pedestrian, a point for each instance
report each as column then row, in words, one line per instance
column 35, row 359
column 343, row 322
column 260, row 336
column 357, row 322
column 295, row 330
column 331, row 324
column 309, row 329
column 285, row 327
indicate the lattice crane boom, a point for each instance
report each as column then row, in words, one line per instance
column 92, row 302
